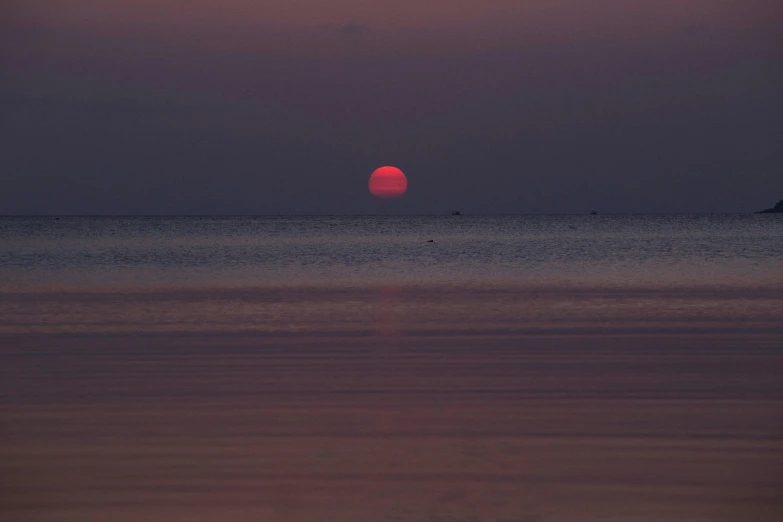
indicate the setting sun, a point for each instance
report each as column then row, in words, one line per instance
column 388, row 183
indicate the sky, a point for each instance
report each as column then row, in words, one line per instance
column 488, row 106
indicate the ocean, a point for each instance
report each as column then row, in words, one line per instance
column 392, row 368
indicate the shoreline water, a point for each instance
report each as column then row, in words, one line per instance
column 547, row 428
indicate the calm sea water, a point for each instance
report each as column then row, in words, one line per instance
column 346, row 369
column 147, row 252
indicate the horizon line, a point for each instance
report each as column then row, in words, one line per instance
column 280, row 215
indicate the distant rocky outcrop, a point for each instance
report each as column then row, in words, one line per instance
column 777, row 209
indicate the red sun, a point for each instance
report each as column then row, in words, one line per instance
column 388, row 183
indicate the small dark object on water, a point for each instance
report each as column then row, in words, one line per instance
column 777, row 209
column 593, row 212
column 430, row 241
column 456, row 213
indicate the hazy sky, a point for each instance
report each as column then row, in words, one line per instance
column 524, row 106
